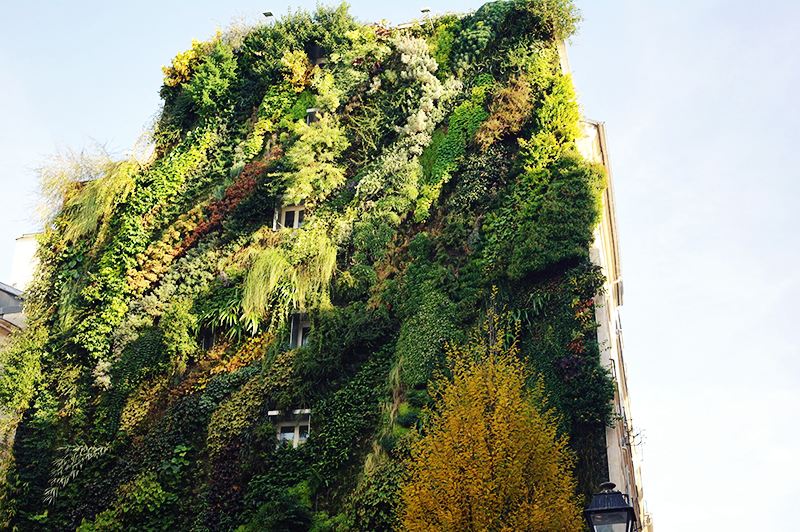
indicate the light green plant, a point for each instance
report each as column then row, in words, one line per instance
column 60, row 177
column 274, row 106
column 93, row 204
column 68, row 465
column 313, row 156
column 557, row 126
column 139, row 505
column 297, row 69
column 285, row 278
column 21, row 362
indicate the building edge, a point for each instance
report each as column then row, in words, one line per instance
column 623, row 455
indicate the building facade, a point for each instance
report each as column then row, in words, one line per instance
column 624, row 458
column 11, row 316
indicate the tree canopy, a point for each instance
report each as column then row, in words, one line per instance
column 490, row 457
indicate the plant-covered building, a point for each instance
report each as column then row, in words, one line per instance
column 242, row 326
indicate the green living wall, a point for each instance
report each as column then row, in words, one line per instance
column 438, row 179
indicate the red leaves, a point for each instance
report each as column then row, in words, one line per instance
column 217, row 209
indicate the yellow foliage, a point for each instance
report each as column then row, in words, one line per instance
column 491, row 458
column 157, row 258
column 136, row 414
column 185, row 63
column 250, row 350
column 298, row 69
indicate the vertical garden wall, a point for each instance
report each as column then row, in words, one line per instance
column 182, row 317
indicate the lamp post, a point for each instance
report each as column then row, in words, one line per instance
column 610, row 511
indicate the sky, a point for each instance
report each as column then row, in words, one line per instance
column 699, row 102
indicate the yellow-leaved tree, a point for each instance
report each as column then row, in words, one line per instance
column 490, row 458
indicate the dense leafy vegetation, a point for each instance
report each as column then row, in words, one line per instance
column 181, row 318
column 490, row 458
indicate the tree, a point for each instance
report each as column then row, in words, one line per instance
column 490, row 457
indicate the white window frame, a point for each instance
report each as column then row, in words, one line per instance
column 299, row 331
column 279, row 220
column 298, row 418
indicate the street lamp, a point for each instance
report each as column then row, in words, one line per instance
column 610, row 511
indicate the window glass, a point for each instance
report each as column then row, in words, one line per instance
column 288, row 219
column 304, row 332
column 286, row 435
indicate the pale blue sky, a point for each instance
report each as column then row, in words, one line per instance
column 698, row 98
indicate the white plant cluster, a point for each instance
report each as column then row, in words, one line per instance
column 102, row 375
column 391, row 183
column 420, row 66
column 415, row 54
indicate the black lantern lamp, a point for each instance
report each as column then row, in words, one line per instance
column 610, row 511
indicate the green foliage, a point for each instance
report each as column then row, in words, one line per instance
column 479, row 30
column 548, row 217
column 372, row 505
column 179, row 325
column 479, row 179
column 141, row 504
column 288, row 511
column 343, row 338
column 442, row 164
column 464, row 123
column 222, row 308
column 69, row 465
column 442, row 43
column 553, row 20
column 557, row 126
column 347, row 416
column 210, row 87
column 21, row 361
column 420, row 348
column 312, row 156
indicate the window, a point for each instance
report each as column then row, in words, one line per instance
column 208, row 339
column 316, row 55
column 300, row 329
column 291, row 429
column 305, row 329
column 289, row 217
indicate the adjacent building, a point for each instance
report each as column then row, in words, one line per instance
column 624, row 459
column 11, row 295
column 11, row 316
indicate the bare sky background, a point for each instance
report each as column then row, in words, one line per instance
column 699, row 100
